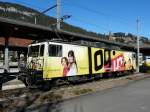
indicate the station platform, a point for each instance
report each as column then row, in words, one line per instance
column 13, row 84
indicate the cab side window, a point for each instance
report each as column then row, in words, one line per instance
column 133, row 56
column 55, row 50
column 33, row 51
column 42, row 50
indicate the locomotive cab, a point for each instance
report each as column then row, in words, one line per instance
column 42, row 61
column 36, row 61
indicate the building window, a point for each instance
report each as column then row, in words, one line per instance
column 1, row 55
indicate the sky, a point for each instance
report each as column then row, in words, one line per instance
column 99, row 16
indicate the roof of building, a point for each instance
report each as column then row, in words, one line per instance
column 20, row 29
column 16, row 42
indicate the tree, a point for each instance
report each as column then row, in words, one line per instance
column 119, row 34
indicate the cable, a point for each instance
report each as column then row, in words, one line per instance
column 97, row 12
column 79, row 6
column 25, row 3
column 42, row 10
column 49, row 9
column 123, row 21
column 91, row 24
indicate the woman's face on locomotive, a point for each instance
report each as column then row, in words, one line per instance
column 64, row 61
column 71, row 57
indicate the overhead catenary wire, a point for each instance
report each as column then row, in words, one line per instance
column 124, row 22
column 49, row 9
column 88, row 23
column 121, row 19
column 29, row 4
column 74, row 4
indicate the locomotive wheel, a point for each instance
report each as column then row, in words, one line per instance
column 28, row 81
column 45, row 86
column 0, row 86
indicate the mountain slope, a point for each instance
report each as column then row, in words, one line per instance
column 23, row 13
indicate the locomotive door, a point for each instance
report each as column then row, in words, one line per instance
column 133, row 61
column 40, row 60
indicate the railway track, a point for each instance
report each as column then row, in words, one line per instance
column 23, row 92
column 13, row 93
column 25, row 98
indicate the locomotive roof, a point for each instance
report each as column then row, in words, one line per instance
column 80, row 43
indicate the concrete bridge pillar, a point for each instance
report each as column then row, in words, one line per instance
column 6, row 56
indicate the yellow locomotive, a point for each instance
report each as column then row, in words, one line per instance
column 47, row 61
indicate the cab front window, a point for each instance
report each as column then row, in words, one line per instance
column 33, row 51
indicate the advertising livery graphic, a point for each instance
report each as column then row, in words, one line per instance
column 104, row 60
column 69, row 64
column 70, row 60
